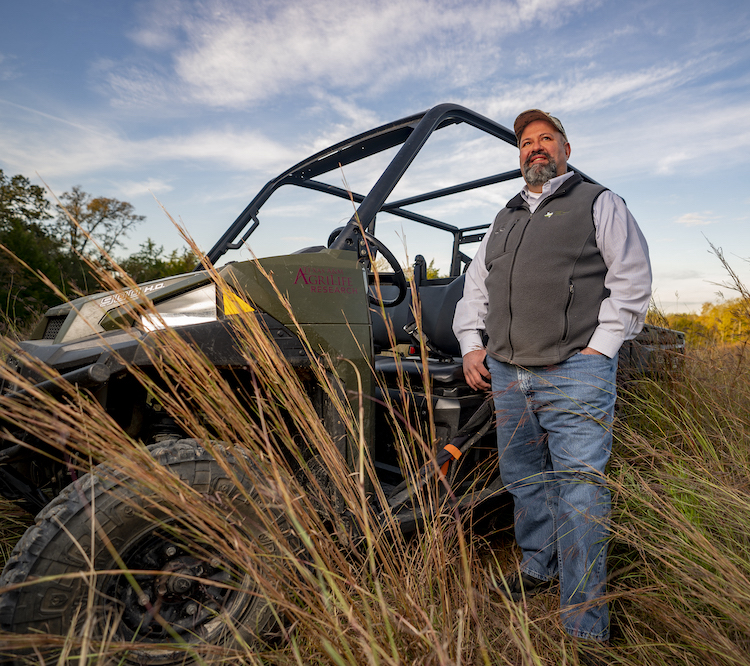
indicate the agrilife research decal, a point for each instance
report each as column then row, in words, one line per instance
column 325, row 280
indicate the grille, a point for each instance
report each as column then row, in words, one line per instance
column 54, row 324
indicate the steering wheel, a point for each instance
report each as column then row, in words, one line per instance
column 397, row 278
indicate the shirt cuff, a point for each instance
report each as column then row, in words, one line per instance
column 606, row 342
column 470, row 342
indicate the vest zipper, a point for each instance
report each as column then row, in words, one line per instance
column 566, row 326
column 510, row 283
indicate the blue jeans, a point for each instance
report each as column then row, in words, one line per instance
column 554, row 439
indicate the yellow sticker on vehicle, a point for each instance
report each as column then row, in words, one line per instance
column 234, row 305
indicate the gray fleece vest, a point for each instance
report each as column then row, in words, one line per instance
column 546, row 277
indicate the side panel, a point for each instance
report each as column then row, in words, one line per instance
column 328, row 296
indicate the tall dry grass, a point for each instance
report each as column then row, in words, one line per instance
column 681, row 556
column 348, row 588
column 346, row 585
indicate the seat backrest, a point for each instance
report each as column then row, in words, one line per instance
column 438, row 305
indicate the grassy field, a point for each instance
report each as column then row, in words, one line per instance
column 354, row 591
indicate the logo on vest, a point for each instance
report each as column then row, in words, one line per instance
column 556, row 212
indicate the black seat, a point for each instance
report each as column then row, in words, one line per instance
column 442, row 373
column 438, row 303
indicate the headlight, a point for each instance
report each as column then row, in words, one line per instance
column 12, row 367
column 193, row 307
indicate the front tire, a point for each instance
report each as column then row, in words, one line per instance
column 183, row 595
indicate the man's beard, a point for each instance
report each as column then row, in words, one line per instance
column 538, row 174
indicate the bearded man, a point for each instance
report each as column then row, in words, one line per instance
column 560, row 281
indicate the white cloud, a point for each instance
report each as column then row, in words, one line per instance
column 234, row 150
column 354, row 119
column 230, row 54
column 155, row 186
column 582, row 90
column 134, row 87
column 61, row 148
column 686, row 133
column 696, row 219
column 8, row 69
column 159, row 31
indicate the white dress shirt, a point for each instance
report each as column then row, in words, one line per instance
column 625, row 253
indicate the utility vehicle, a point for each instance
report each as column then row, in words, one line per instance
column 394, row 186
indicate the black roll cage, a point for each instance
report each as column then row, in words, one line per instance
column 411, row 133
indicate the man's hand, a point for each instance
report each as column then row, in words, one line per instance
column 476, row 373
column 588, row 350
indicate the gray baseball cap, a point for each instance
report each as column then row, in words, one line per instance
column 530, row 116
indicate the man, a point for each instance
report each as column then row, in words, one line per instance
column 560, row 281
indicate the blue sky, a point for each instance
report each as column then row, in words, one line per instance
column 193, row 105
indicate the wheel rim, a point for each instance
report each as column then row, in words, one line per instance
column 178, row 595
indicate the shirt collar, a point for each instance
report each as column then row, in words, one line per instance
column 548, row 189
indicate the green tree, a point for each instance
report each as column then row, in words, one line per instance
column 181, row 261
column 148, row 263
column 23, row 210
column 728, row 320
column 58, row 248
column 696, row 332
column 432, row 271
column 105, row 221
column 716, row 324
column 20, row 201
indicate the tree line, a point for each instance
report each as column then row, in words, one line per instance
column 724, row 323
column 60, row 241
